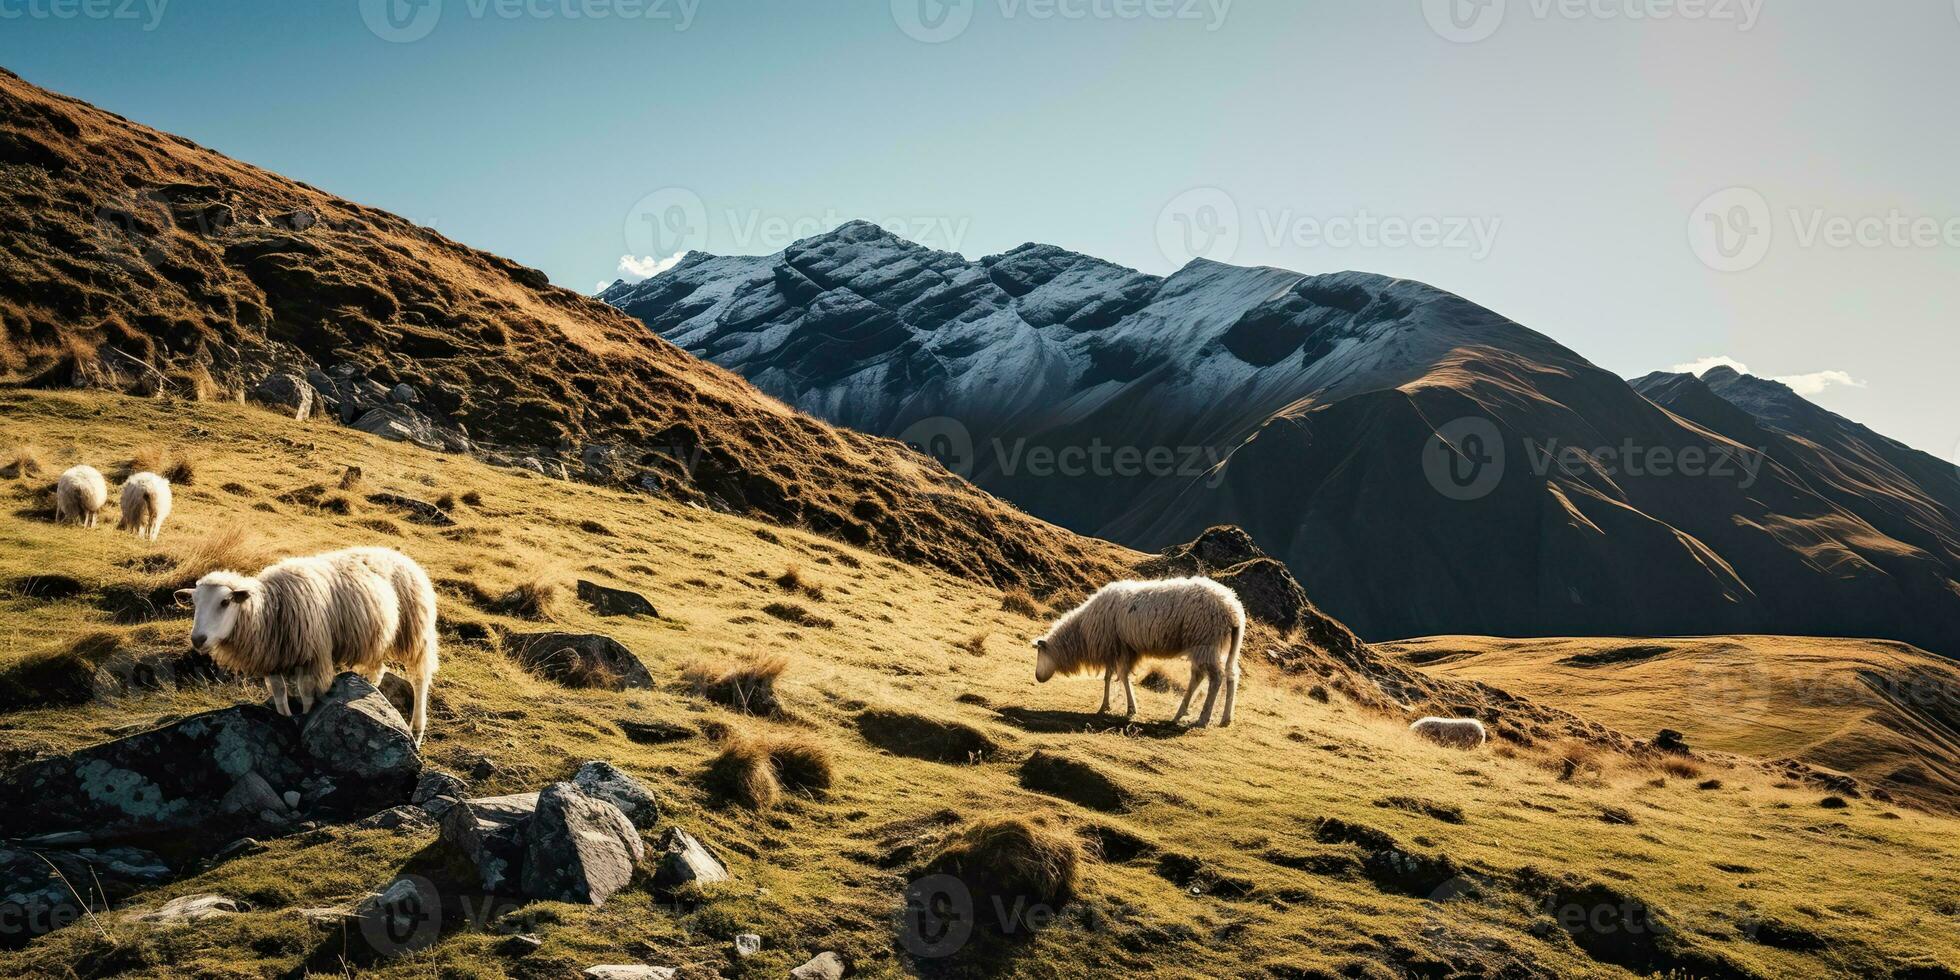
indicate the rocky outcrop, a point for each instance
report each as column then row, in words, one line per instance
column 44, row 889
column 1264, row 586
column 685, row 860
column 604, row 781
column 607, row 601
column 579, row 660
column 191, row 787
column 558, row 845
column 354, row 733
column 578, row 849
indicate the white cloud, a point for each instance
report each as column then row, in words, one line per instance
column 637, row 268
column 1815, row 382
column 1699, row 368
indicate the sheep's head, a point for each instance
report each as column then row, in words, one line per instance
column 1044, row 660
column 216, row 600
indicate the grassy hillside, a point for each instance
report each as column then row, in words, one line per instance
column 1312, row 839
column 1884, row 712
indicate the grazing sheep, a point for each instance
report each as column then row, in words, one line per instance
column 1457, row 733
column 1125, row 622
column 145, row 504
column 79, row 495
column 302, row 620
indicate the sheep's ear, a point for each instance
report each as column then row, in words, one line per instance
column 1041, row 644
column 240, row 595
column 184, row 596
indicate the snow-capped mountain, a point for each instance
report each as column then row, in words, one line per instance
column 1424, row 464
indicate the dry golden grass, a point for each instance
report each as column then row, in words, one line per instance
column 1017, row 601
column 22, row 464
column 1870, row 709
column 748, row 687
column 1220, row 865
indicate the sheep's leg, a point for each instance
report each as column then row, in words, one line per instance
column 420, row 722
column 275, row 688
column 1231, row 694
column 1212, row 673
column 1197, row 671
column 1130, row 695
column 1109, row 675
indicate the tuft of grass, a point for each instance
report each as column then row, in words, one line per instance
column 1017, row 601
column 350, row 478
column 1156, row 680
column 1680, row 768
column 792, row 581
column 790, row 612
column 148, row 459
column 231, row 548
column 472, row 498
column 975, row 644
column 1012, row 863
column 743, row 774
column 748, row 687
column 23, row 463
column 181, row 471
column 802, row 765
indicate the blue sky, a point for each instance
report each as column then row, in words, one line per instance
column 1652, row 182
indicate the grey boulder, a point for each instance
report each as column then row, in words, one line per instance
column 685, row 860
column 823, row 966
column 491, row 833
column 38, row 889
column 607, row 601
column 578, row 849
column 579, row 660
column 604, row 781
column 286, row 391
column 355, row 733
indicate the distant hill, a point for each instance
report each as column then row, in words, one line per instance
column 1423, row 464
column 136, row 260
column 1883, row 712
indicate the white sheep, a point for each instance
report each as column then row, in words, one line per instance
column 79, row 495
column 1457, row 733
column 145, row 504
column 302, row 620
column 1125, row 622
